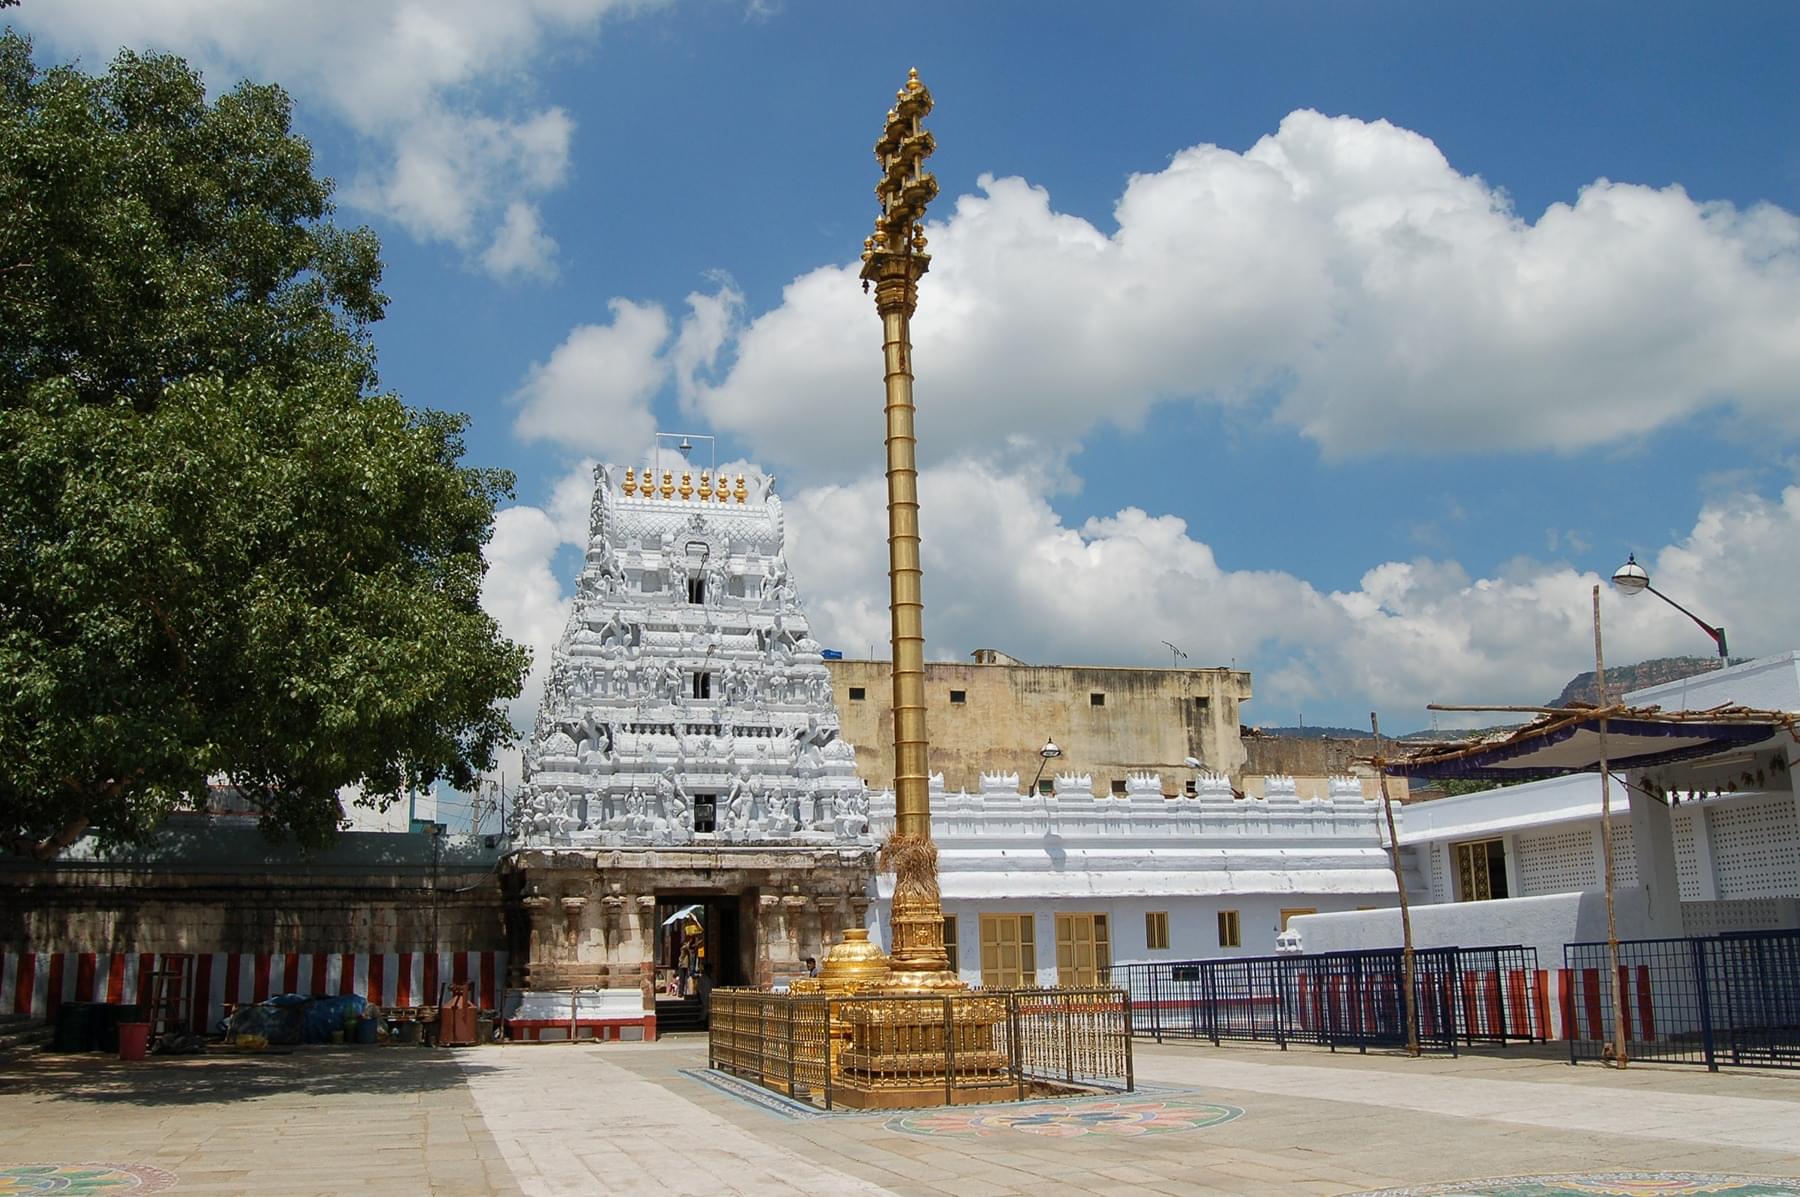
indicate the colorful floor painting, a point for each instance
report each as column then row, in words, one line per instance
column 82, row 1180
column 1607, row 1184
column 1125, row 1116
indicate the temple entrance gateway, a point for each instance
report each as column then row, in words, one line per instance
column 635, row 941
column 691, row 817
column 701, row 942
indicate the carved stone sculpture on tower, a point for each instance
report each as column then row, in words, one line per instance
column 687, row 656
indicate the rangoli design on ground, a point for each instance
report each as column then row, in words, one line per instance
column 1124, row 1116
column 1608, row 1184
column 82, row 1180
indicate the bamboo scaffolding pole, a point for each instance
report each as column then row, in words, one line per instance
column 1444, row 706
column 1408, row 992
column 1620, row 1004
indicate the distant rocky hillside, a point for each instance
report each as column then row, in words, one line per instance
column 1337, row 741
column 1623, row 678
column 1313, row 733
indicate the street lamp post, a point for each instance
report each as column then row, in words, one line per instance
column 1632, row 578
column 1046, row 754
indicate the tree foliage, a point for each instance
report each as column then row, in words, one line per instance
column 224, row 552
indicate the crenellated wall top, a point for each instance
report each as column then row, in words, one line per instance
column 1214, row 813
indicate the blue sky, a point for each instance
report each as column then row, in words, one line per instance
column 1466, row 304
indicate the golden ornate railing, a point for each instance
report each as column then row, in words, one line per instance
column 923, row 1049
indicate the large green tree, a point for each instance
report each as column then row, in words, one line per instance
column 224, row 551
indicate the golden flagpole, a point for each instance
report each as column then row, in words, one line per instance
column 894, row 258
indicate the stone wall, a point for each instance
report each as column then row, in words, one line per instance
column 227, row 889
column 1147, row 720
column 1298, row 756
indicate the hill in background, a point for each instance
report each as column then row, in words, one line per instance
column 1625, row 678
column 1620, row 679
column 1316, row 733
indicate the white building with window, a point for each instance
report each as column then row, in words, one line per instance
column 1699, row 847
column 1052, row 889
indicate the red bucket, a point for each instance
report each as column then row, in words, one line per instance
column 134, row 1040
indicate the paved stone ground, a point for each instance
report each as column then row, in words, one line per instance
column 632, row 1119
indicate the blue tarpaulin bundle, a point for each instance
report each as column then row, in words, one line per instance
column 277, row 1024
column 296, row 1018
column 326, row 1014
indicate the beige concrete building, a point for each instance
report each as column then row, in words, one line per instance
column 994, row 714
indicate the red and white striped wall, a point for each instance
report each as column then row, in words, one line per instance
column 1551, row 1003
column 1544, row 1004
column 35, row 983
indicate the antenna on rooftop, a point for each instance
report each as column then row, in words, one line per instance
column 686, row 448
column 1178, row 656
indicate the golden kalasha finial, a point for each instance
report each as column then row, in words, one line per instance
column 912, row 79
column 741, row 492
column 723, row 490
column 630, row 482
column 668, row 483
column 705, row 486
column 687, row 484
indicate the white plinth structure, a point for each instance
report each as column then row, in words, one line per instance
column 686, row 754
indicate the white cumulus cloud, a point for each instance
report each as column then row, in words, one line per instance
column 438, row 91
column 593, row 393
column 521, row 248
column 1340, row 270
column 524, row 595
column 1002, row 570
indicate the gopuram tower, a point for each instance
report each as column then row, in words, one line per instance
column 690, row 817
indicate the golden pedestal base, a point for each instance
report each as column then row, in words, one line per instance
column 917, row 1049
column 885, row 1050
column 916, row 1097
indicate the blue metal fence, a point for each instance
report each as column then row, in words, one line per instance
column 1341, row 999
column 1717, row 1000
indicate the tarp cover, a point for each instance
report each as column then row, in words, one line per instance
column 1570, row 742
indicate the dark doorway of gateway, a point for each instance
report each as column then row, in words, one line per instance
column 701, row 944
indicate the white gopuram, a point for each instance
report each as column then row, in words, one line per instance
column 686, row 754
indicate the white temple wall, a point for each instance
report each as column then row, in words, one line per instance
column 1546, row 923
column 1075, row 852
column 1193, row 925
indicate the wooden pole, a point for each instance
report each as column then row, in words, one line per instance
column 1452, row 706
column 1621, row 1004
column 1407, row 994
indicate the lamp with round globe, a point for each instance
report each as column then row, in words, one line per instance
column 1632, row 578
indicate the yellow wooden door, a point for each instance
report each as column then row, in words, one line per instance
column 1083, row 949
